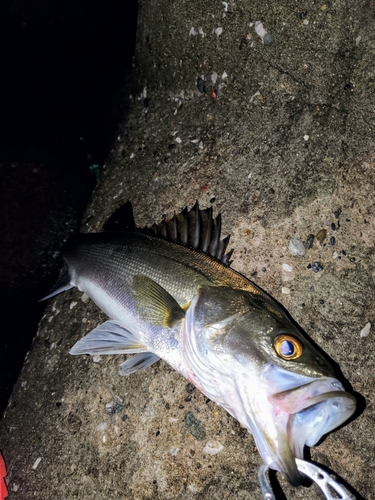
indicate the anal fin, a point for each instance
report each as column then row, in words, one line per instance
column 138, row 362
column 108, row 338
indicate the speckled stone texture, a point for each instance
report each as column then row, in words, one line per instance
column 284, row 149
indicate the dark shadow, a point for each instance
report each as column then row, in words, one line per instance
column 63, row 69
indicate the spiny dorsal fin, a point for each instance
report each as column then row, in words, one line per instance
column 194, row 228
column 197, row 229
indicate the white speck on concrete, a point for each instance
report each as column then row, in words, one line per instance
column 148, row 412
column 254, row 96
column 214, row 77
column 306, row 137
column 365, row 330
column 193, row 488
column 172, row 420
column 15, row 487
column 219, row 31
column 102, row 426
column 174, row 451
column 50, row 319
column 213, row 447
column 23, row 384
column 305, row 22
column 131, row 156
column 224, row 76
column 285, row 290
column 225, row 6
column 72, row 304
column 84, row 320
column 36, row 463
column 259, row 29
column 85, row 298
column 296, row 247
column 201, row 32
column 357, row 40
column 192, row 32
column 288, row 268
column 178, row 139
column 96, row 358
column 335, row 255
column 200, row 145
column 144, row 93
column 104, row 438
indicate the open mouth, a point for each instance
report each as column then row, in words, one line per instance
column 303, row 410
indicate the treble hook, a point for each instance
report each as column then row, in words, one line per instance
column 320, row 477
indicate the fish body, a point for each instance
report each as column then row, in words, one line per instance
column 170, row 294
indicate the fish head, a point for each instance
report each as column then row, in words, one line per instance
column 247, row 354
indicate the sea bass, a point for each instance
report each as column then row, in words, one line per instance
column 170, row 293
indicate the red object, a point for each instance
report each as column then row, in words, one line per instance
column 3, row 473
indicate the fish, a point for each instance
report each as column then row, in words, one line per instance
column 170, row 293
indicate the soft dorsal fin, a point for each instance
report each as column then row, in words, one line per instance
column 193, row 228
column 197, row 229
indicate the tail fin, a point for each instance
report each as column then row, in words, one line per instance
column 62, row 285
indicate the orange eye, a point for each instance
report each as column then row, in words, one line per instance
column 287, row 347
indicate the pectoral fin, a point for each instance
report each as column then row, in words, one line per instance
column 155, row 305
column 108, row 338
column 137, row 362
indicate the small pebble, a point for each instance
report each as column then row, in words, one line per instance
column 332, row 241
column 337, row 213
column 213, row 448
column 366, row 330
column 36, row 463
column 333, row 226
column 296, row 247
column 85, row 298
column 190, row 388
column 321, row 235
column 310, row 241
column 287, row 268
column 317, row 267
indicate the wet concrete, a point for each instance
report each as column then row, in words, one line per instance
column 284, row 149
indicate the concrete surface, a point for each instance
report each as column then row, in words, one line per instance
column 284, row 151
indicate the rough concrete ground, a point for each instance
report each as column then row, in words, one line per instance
column 284, row 151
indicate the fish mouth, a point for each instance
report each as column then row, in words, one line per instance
column 302, row 414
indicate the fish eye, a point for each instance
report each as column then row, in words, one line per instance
column 287, row 347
